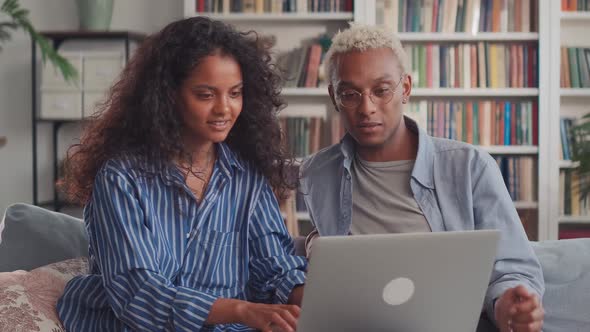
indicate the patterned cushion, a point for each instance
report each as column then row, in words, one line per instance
column 28, row 298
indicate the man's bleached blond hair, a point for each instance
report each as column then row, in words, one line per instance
column 362, row 37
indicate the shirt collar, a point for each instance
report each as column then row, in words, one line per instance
column 424, row 165
column 227, row 161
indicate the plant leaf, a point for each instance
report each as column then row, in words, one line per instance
column 20, row 19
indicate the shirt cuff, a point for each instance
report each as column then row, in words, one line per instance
column 290, row 280
column 192, row 307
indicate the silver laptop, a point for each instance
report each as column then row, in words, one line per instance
column 398, row 282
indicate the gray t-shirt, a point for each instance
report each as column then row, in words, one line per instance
column 382, row 200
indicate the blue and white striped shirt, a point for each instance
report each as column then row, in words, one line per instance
column 159, row 259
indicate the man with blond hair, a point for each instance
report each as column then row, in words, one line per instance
column 394, row 178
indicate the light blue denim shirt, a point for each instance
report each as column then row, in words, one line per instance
column 457, row 187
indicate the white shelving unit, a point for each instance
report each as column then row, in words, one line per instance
column 567, row 164
column 574, row 16
column 583, row 220
column 571, row 92
column 510, row 149
column 541, row 94
column 468, row 37
column 565, row 29
column 305, row 92
column 526, row 205
column 238, row 17
column 475, row 92
column 291, row 29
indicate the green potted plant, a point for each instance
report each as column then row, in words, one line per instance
column 581, row 154
column 18, row 18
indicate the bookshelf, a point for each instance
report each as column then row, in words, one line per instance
column 293, row 29
column 568, row 29
column 503, row 28
column 239, row 17
column 466, row 37
column 474, row 92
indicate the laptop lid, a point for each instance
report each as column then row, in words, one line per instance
column 398, row 282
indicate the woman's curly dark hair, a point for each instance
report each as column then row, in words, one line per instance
column 141, row 114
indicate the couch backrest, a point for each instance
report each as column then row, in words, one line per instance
column 566, row 270
column 31, row 236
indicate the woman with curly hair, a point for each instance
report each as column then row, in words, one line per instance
column 178, row 175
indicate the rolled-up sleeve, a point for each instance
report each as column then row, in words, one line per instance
column 275, row 270
column 516, row 263
column 124, row 248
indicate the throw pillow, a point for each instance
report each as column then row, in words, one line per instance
column 28, row 298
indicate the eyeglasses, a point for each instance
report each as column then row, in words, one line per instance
column 378, row 96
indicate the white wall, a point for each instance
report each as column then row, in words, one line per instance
column 15, row 88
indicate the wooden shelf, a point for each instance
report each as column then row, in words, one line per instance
column 428, row 92
column 574, row 219
column 465, row 36
column 61, row 35
column 295, row 92
column 277, row 18
column 510, row 149
column 475, row 92
column 302, row 216
column 564, row 164
column 575, row 16
column 575, row 92
column 526, row 205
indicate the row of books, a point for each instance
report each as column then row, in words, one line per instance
column 479, row 122
column 575, row 5
column 272, row 6
column 519, row 176
column 303, row 135
column 568, row 138
column 470, row 16
column 517, row 172
column 573, row 232
column 474, row 65
column 302, row 67
column 572, row 202
column 575, row 67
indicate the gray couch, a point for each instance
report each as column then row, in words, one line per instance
column 31, row 237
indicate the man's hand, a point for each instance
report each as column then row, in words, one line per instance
column 518, row 310
column 268, row 317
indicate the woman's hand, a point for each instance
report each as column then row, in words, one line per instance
column 268, row 317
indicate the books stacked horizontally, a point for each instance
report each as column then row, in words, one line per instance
column 470, row 16
column 272, row 6
column 473, row 65
column 575, row 67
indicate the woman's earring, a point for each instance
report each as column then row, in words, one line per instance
column 404, row 100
